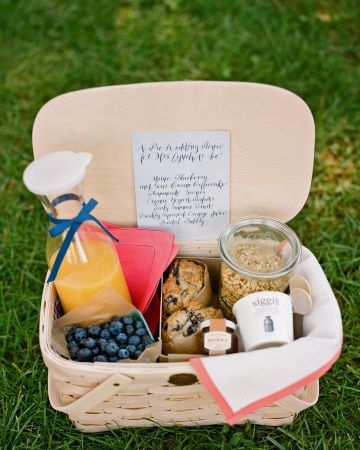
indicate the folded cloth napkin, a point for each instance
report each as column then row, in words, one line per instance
column 144, row 256
column 243, row 382
column 152, row 314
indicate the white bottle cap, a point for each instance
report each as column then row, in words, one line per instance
column 56, row 172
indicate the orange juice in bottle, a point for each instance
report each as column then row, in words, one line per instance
column 80, row 252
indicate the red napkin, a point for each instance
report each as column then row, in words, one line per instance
column 144, row 256
column 152, row 314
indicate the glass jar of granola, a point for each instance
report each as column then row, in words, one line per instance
column 257, row 254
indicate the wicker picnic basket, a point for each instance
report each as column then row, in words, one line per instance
column 272, row 140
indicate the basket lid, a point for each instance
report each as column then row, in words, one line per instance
column 272, row 139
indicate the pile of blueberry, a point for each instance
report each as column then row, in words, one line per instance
column 121, row 338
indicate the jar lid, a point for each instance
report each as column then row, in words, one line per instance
column 260, row 247
column 56, row 172
column 228, row 323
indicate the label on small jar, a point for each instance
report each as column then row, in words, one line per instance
column 218, row 337
column 217, row 340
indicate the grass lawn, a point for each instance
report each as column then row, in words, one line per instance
column 308, row 47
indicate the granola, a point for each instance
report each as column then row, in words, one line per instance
column 253, row 257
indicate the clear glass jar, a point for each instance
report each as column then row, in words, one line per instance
column 257, row 254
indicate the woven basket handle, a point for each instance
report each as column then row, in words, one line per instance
column 98, row 394
column 295, row 404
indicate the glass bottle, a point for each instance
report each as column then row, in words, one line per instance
column 91, row 262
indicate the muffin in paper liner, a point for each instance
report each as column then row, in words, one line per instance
column 192, row 344
column 176, row 294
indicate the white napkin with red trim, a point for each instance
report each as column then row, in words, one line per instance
column 243, row 382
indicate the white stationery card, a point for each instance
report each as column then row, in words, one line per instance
column 182, row 182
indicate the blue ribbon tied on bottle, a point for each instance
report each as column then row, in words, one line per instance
column 72, row 225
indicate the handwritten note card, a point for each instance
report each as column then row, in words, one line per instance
column 182, row 182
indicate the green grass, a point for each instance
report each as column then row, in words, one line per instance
column 51, row 47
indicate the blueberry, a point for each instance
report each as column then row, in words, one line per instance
column 69, row 337
column 134, row 340
column 127, row 320
column 80, row 334
column 123, row 353
column 141, row 332
column 131, row 349
column 105, row 334
column 147, row 340
column 116, row 319
column 100, row 358
column 129, row 330
column 139, row 324
column 71, row 344
column 121, row 338
column 137, row 354
column 112, row 348
column 94, row 331
column 96, row 351
column 140, row 347
column 102, row 343
column 191, row 330
column 82, row 342
column 85, row 354
column 115, row 328
column 74, row 352
column 172, row 300
column 90, row 343
column 105, row 326
column 113, row 358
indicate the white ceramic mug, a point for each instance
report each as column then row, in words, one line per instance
column 265, row 319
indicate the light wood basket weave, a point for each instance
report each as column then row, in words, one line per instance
column 100, row 396
column 272, row 140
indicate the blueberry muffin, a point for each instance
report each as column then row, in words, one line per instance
column 185, row 280
column 186, row 322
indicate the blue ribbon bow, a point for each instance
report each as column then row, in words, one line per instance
column 73, row 225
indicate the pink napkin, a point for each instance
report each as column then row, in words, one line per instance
column 144, row 256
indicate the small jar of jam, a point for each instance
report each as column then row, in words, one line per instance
column 218, row 337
